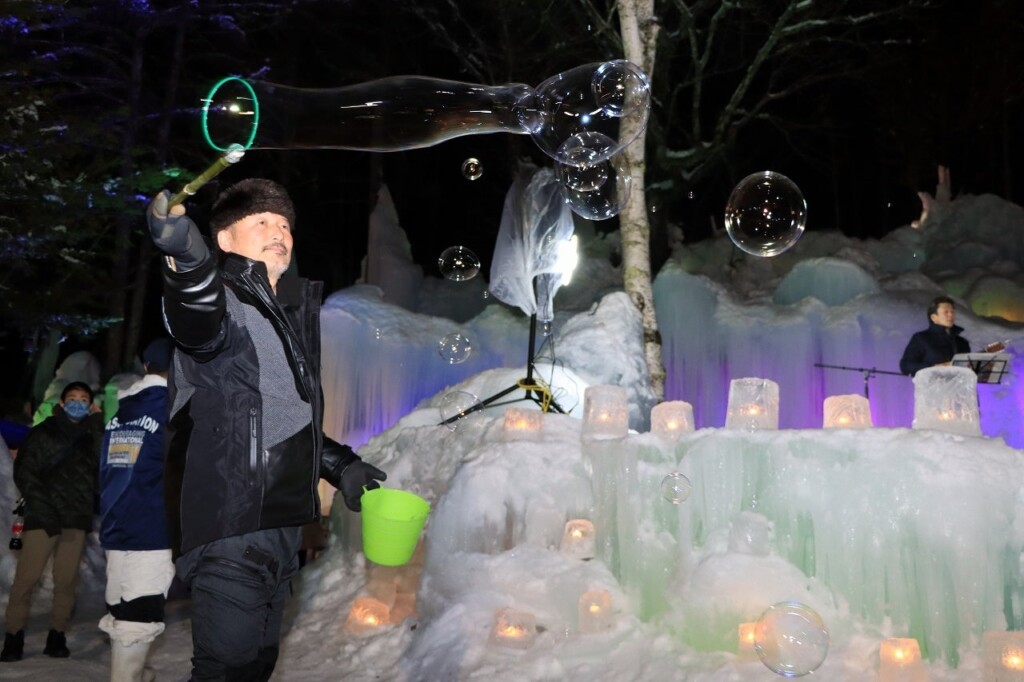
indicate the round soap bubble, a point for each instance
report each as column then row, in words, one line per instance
column 455, row 409
column 454, row 348
column 766, row 214
column 791, row 639
column 595, row 188
column 458, row 264
column 584, row 169
column 604, row 98
column 472, row 169
column 676, row 488
column 620, row 88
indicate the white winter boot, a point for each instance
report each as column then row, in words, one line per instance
column 127, row 661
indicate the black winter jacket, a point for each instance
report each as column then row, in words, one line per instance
column 932, row 346
column 56, row 471
column 220, row 479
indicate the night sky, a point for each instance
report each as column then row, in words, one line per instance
column 860, row 149
column 954, row 96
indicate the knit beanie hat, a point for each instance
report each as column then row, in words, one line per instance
column 245, row 198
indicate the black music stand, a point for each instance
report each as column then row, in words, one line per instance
column 868, row 372
column 990, row 367
column 535, row 391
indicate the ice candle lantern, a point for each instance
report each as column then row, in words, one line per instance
column 605, row 412
column 946, row 399
column 1003, row 655
column 522, row 423
column 595, row 611
column 900, row 661
column 753, row 405
column 513, row 629
column 745, row 651
column 578, row 539
column 847, row 412
column 367, row 614
column 672, row 419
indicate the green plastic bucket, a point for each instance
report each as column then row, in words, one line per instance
column 392, row 521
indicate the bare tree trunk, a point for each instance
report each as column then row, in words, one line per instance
column 145, row 250
column 117, row 304
column 639, row 31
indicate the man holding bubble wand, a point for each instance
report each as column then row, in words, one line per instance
column 245, row 438
column 245, row 442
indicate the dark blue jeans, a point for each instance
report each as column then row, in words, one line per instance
column 239, row 586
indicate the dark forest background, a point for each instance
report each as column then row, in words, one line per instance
column 99, row 109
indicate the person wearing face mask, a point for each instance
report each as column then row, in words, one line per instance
column 56, row 472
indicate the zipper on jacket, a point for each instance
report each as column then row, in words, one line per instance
column 294, row 346
column 253, row 448
column 307, row 384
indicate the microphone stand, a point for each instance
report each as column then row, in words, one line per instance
column 868, row 372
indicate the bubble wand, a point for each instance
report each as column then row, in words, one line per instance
column 232, row 155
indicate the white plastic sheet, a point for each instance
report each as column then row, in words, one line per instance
column 524, row 268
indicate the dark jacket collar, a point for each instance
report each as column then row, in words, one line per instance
column 938, row 328
column 290, row 289
column 233, row 264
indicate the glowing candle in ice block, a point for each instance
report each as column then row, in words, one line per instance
column 514, row 629
column 595, row 611
column 847, row 412
column 367, row 614
column 578, row 539
column 946, row 399
column 605, row 412
column 745, row 650
column 753, row 405
column 523, row 424
column 1003, row 656
column 899, row 660
column 672, row 419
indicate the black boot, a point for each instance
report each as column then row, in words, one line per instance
column 56, row 645
column 14, row 646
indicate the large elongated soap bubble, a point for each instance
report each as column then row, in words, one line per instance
column 581, row 118
column 386, row 115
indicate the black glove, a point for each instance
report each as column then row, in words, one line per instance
column 175, row 234
column 355, row 477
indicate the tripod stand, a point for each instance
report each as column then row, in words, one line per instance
column 535, row 390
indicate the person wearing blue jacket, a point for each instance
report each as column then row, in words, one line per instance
column 133, row 520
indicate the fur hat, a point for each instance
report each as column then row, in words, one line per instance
column 245, row 198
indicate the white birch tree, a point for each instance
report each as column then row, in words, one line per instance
column 639, row 31
column 716, row 67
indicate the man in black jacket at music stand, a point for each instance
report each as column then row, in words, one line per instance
column 937, row 344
